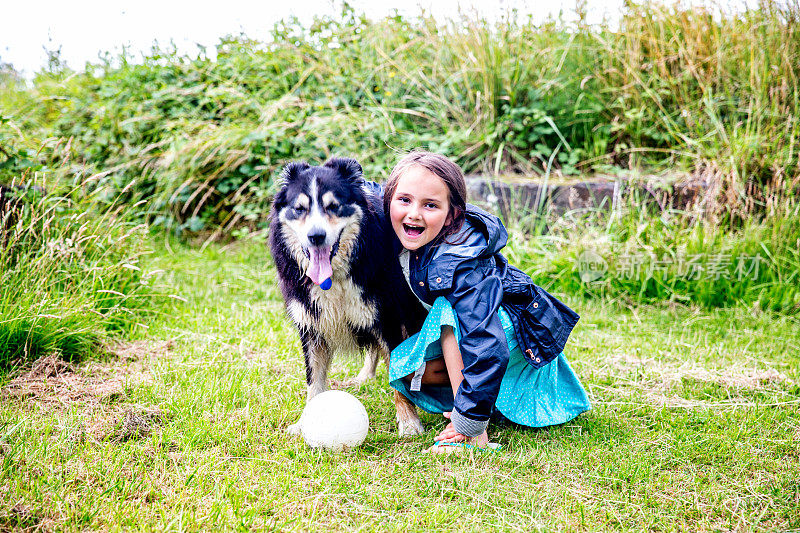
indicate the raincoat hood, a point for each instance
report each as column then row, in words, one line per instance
column 481, row 237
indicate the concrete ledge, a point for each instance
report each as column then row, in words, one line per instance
column 539, row 196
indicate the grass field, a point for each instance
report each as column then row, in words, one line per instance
column 180, row 425
column 695, row 426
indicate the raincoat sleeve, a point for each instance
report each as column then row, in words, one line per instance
column 476, row 295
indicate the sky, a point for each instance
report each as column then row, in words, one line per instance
column 82, row 29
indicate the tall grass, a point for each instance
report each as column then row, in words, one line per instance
column 719, row 86
column 671, row 87
column 638, row 255
column 69, row 272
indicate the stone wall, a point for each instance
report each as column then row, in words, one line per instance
column 537, row 195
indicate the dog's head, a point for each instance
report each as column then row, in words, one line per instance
column 319, row 210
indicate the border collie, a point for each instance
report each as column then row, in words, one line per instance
column 342, row 287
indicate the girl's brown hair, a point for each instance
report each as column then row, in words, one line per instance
column 448, row 172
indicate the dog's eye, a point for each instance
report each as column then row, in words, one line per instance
column 300, row 209
column 333, row 208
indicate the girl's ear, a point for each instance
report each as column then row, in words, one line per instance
column 454, row 213
column 349, row 169
column 292, row 171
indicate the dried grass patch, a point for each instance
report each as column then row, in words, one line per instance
column 133, row 422
column 97, row 388
column 658, row 380
column 270, row 361
column 56, row 384
column 137, row 350
column 653, row 370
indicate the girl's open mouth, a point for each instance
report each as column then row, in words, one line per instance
column 412, row 230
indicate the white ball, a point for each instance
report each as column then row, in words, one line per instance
column 334, row 420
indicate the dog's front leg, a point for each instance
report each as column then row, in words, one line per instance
column 318, row 357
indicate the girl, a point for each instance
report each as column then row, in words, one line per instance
column 491, row 344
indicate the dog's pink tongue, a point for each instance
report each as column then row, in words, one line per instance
column 320, row 268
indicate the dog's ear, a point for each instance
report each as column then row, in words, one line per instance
column 292, row 171
column 348, row 168
column 289, row 174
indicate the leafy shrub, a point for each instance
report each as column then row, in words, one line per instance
column 201, row 139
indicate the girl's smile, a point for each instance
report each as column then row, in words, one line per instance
column 420, row 207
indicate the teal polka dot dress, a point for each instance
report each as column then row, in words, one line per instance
column 528, row 396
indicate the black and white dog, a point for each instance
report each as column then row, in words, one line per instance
column 342, row 286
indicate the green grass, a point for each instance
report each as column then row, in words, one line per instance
column 70, row 277
column 695, row 426
column 645, row 256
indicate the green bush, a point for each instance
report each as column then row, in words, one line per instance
column 201, row 140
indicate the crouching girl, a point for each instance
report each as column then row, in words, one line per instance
column 491, row 345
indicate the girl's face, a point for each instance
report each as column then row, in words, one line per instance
column 420, row 207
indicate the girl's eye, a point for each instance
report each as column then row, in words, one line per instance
column 403, row 199
column 430, row 205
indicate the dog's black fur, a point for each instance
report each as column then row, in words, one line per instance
column 369, row 305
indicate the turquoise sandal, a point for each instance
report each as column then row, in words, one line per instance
column 492, row 447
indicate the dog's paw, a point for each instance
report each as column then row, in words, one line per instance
column 360, row 379
column 295, row 428
column 409, row 428
column 363, row 376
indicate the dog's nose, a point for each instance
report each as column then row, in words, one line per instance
column 316, row 236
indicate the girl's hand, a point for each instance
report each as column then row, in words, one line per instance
column 449, row 434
